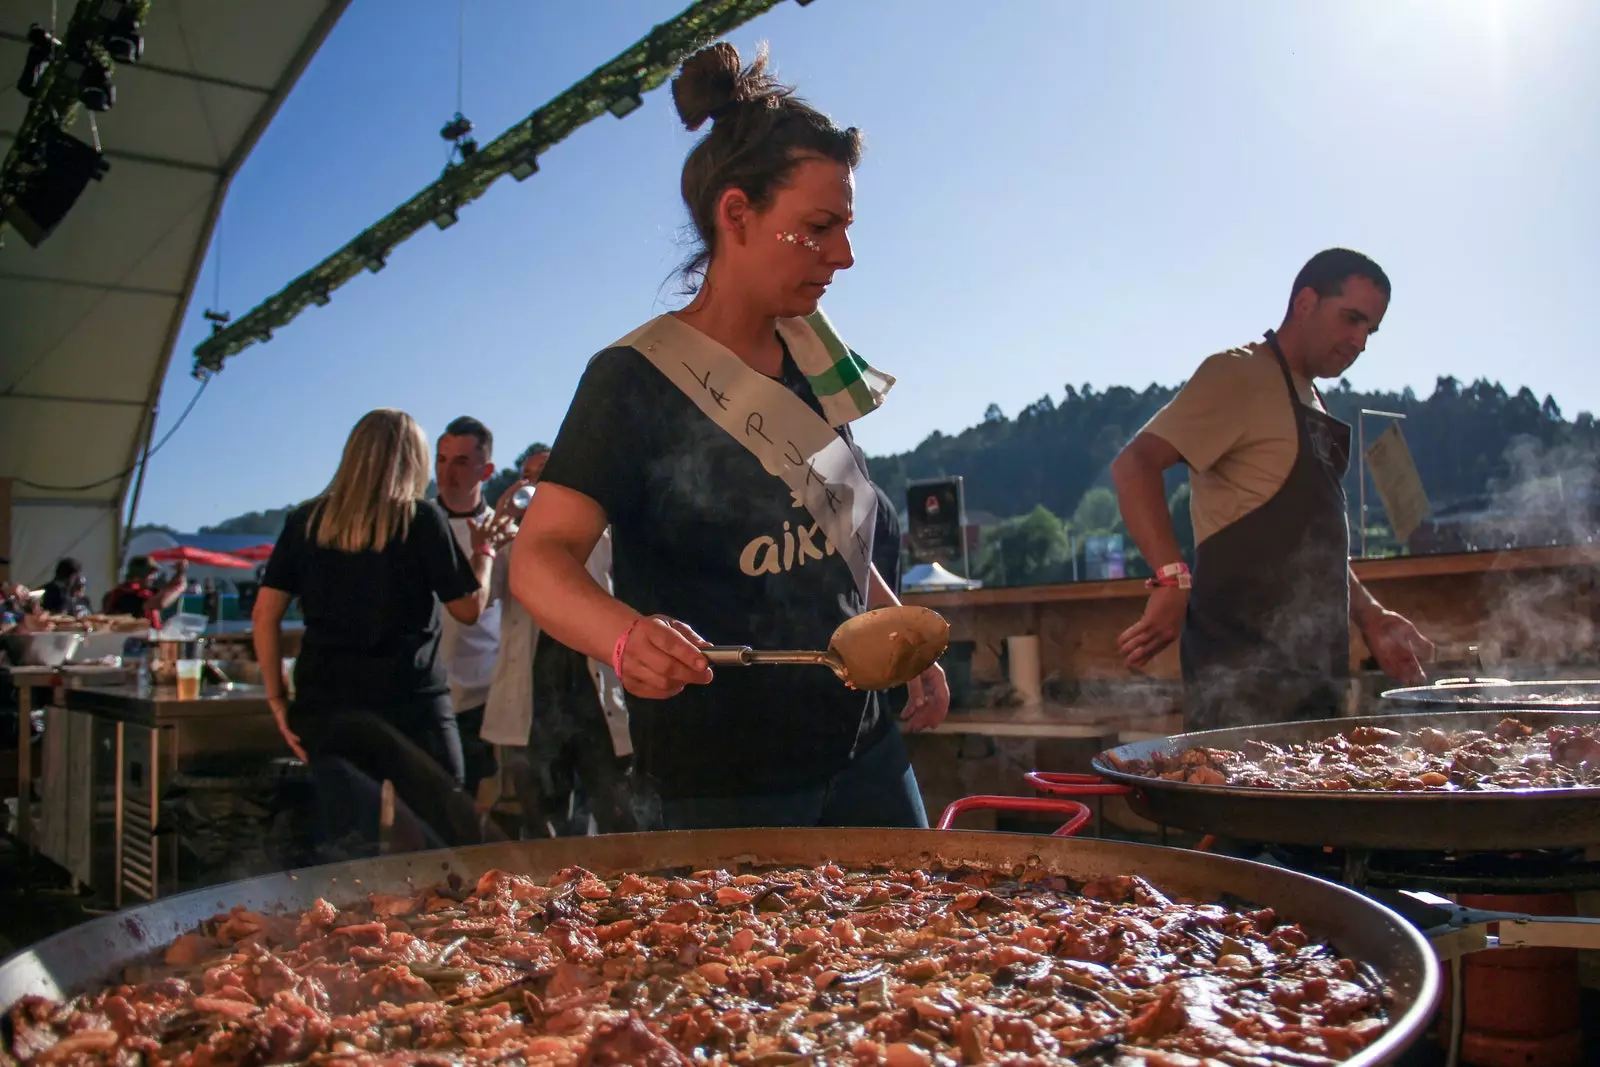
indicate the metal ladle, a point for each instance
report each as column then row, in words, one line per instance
column 877, row 649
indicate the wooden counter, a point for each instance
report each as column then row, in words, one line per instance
column 1526, row 608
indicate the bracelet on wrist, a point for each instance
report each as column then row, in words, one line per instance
column 1172, row 576
column 621, row 646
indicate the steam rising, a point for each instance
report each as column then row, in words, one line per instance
column 1549, row 497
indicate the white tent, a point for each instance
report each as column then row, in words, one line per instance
column 933, row 578
column 88, row 320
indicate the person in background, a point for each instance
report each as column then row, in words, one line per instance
column 564, row 730
column 1265, row 617
column 562, row 722
column 707, row 537
column 532, row 466
column 78, row 600
column 463, row 461
column 64, row 594
column 371, row 560
column 211, row 598
column 142, row 593
column 16, row 604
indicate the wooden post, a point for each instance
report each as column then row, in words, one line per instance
column 5, row 530
column 386, row 818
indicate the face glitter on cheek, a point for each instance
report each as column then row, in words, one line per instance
column 801, row 240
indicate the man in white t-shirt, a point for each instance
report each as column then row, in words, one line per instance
column 1265, row 617
column 464, row 461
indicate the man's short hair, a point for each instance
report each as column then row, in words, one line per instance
column 139, row 567
column 1326, row 272
column 467, row 426
column 67, row 569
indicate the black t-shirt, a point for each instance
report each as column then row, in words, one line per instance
column 700, row 532
column 58, row 600
column 372, row 618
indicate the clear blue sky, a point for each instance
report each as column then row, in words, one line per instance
column 1053, row 192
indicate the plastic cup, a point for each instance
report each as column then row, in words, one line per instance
column 189, row 678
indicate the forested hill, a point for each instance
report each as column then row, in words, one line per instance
column 1468, row 441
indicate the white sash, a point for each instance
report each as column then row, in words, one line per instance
column 778, row 428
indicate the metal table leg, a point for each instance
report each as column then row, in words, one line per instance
column 1357, row 862
column 1457, row 1006
column 25, row 765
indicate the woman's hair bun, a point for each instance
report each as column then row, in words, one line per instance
column 712, row 80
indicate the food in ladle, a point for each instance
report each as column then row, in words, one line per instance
column 877, row 649
column 771, row 967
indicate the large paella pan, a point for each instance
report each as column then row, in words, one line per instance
column 970, row 933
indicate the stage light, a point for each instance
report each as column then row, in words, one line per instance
column 525, row 166
column 95, row 90
column 626, row 104
column 125, row 38
column 321, row 297
column 374, row 262
column 446, row 216
column 457, row 128
column 59, row 167
column 41, row 50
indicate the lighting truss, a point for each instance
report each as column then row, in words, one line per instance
column 613, row 87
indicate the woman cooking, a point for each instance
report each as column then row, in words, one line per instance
column 714, row 441
column 371, row 560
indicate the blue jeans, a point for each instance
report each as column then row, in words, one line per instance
column 877, row 788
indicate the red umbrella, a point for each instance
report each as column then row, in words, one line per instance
column 200, row 557
column 255, row 552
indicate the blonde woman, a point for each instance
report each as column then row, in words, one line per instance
column 371, row 561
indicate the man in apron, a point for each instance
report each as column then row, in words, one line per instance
column 1265, row 615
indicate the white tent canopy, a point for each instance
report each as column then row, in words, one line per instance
column 933, row 578
column 88, row 320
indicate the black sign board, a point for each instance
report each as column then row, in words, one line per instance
column 936, row 514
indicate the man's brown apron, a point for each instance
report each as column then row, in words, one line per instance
column 1267, row 636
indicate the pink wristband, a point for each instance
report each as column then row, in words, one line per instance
column 622, row 644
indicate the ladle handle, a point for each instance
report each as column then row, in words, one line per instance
column 745, row 656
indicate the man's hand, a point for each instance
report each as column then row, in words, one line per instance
column 662, row 656
column 1158, row 628
column 929, row 700
column 1398, row 646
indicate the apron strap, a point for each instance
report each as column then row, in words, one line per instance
column 1288, row 379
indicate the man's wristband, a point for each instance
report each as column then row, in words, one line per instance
column 483, row 550
column 1172, row 576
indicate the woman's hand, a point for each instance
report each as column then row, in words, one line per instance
column 661, row 657
column 929, row 700
column 493, row 531
column 280, row 713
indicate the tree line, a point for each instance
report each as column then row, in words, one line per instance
column 1046, row 471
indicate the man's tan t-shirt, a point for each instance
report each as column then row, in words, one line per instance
column 1234, row 426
